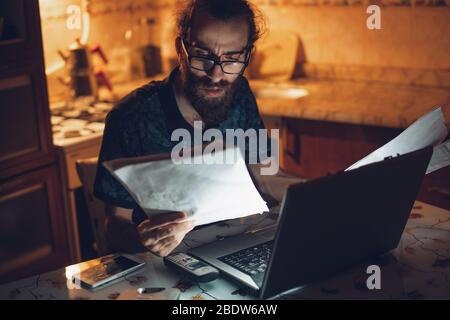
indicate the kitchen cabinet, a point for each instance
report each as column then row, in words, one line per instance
column 19, row 37
column 33, row 235
column 32, row 229
column 74, row 205
column 24, row 119
column 313, row 148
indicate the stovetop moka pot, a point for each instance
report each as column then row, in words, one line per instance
column 81, row 77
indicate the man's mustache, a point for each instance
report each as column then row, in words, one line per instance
column 207, row 83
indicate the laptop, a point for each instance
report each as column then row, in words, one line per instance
column 325, row 226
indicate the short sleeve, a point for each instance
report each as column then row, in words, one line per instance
column 106, row 187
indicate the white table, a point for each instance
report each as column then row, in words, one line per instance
column 418, row 269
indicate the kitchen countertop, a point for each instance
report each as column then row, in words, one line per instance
column 385, row 105
column 366, row 103
column 419, row 268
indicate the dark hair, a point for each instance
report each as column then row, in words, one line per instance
column 223, row 10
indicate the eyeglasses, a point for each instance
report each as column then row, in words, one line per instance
column 208, row 63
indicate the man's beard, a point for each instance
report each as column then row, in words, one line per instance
column 212, row 110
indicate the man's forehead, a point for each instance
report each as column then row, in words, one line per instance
column 210, row 33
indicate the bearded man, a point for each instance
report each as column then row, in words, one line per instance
column 214, row 44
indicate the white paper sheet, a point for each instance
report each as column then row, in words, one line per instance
column 274, row 185
column 207, row 192
column 440, row 157
column 428, row 130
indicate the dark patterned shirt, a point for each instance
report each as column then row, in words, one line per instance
column 142, row 124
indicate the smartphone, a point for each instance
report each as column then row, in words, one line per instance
column 107, row 270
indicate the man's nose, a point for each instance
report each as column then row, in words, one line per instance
column 216, row 74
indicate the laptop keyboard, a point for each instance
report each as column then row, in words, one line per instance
column 253, row 260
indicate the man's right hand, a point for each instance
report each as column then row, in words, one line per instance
column 162, row 233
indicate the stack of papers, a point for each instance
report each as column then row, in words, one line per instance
column 207, row 191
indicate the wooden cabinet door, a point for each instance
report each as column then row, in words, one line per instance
column 314, row 149
column 20, row 31
column 25, row 132
column 32, row 229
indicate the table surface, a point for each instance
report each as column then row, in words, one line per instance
column 419, row 268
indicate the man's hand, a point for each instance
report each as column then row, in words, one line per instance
column 163, row 232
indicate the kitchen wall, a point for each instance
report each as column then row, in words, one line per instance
column 409, row 37
column 412, row 47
